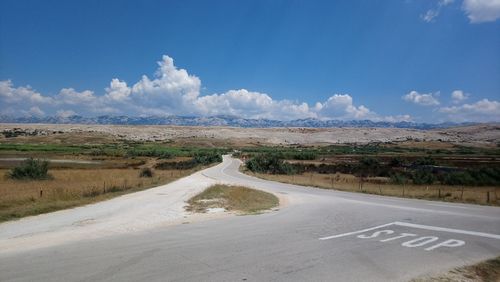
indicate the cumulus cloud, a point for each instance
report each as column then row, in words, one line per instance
column 12, row 95
column 479, row 11
column 173, row 91
column 481, row 111
column 72, row 97
column 429, row 99
column 458, row 96
column 249, row 104
column 118, row 91
column 341, row 106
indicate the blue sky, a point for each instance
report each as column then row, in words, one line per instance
column 419, row 60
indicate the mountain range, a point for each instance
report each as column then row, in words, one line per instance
column 220, row 121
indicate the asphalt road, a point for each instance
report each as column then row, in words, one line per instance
column 320, row 235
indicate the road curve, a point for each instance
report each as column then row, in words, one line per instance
column 320, row 235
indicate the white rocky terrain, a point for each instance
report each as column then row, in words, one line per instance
column 484, row 134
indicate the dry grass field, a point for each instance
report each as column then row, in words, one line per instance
column 73, row 187
column 345, row 182
column 487, row 271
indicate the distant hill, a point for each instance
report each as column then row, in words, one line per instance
column 221, row 121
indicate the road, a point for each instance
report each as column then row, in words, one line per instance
column 319, row 235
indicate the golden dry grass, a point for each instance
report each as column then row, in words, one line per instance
column 487, row 271
column 233, row 198
column 345, row 182
column 73, row 187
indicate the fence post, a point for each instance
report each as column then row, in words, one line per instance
column 462, row 194
column 488, row 197
column 380, row 189
column 439, row 193
column 41, row 192
column 104, row 187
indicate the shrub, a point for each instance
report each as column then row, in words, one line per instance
column 398, row 178
column 396, row 162
column 150, row 153
column 423, row 176
column 305, row 155
column 146, row 172
column 207, row 158
column 424, row 161
column 31, row 169
column 270, row 164
column 369, row 166
column 198, row 159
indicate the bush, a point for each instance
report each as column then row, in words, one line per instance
column 31, row 169
column 396, row 162
column 146, row 172
column 305, row 155
column 423, row 176
column 398, row 178
column 424, row 161
column 150, row 153
column 270, row 164
column 198, row 159
column 207, row 158
column 369, row 166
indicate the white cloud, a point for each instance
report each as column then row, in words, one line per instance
column 175, row 91
column 171, row 90
column 10, row 94
column 430, row 15
column 341, row 106
column 72, row 97
column 118, row 91
column 35, row 111
column 479, row 11
column 249, row 104
column 428, row 99
column 481, row 111
column 458, row 96
column 65, row 113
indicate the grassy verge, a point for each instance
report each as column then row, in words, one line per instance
column 74, row 187
column 233, row 198
column 349, row 183
column 487, row 271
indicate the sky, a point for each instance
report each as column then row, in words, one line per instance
column 394, row 60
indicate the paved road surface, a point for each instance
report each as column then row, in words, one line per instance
column 320, row 235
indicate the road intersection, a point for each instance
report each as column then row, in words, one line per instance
column 320, row 235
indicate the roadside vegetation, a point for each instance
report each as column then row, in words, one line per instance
column 31, row 169
column 473, row 179
column 233, row 198
column 36, row 185
column 486, row 271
